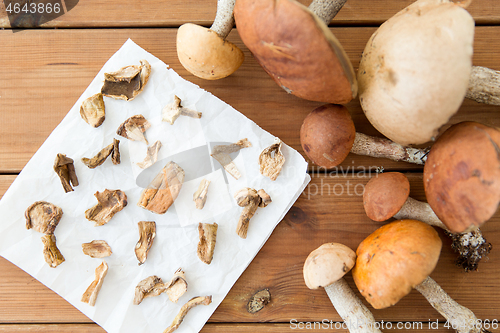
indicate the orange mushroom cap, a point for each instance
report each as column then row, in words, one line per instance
column 385, row 194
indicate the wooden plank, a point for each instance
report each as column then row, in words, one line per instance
column 322, row 214
column 173, row 13
column 46, row 71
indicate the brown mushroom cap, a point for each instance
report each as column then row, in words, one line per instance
column 328, row 264
column 205, row 54
column 394, row 259
column 296, row 49
column 462, row 175
column 327, row 135
column 385, row 194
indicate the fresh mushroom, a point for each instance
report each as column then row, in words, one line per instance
column 328, row 135
column 251, row 200
column 325, row 267
column 205, row 52
column 295, row 47
column 398, row 257
column 387, row 195
column 484, row 85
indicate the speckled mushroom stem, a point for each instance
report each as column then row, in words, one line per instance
column 224, row 19
column 380, row 147
column 418, row 210
column 355, row 314
column 484, row 86
column 461, row 318
column 326, row 9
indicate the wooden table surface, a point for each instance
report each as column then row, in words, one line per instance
column 45, row 70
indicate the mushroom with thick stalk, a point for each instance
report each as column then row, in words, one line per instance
column 387, row 195
column 327, row 136
column 153, row 286
column 205, row 52
column 251, row 200
column 398, row 257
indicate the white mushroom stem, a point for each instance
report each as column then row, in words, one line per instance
column 355, row 314
column 380, row 147
column 461, row 318
column 484, row 86
column 326, row 9
column 224, row 19
column 419, row 210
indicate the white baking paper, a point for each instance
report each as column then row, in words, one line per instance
column 188, row 142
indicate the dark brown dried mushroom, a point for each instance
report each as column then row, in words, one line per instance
column 147, row 234
column 251, row 200
column 200, row 196
column 133, row 128
column 112, row 149
column 97, row 249
column 43, row 217
column 271, row 160
column 163, row 190
column 221, row 154
column 151, row 156
column 90, row 295
column 200, row 300
column 258, row 301
column 65, row 169
column 153, row 286
column 206, row 245
column 93, row 110
column 172, row 111
column 127, row 82
column 109, row 203
column 51, row 253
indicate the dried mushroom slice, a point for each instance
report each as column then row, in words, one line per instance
column 206, row 245
column 172, row 111
column 93, row 110
column 151, row 156
column 109, row 203
column 153, row 286
column 163, row 190
column 51, row 253
column 133, row 128
column 97, row 249
column 200, row 300
column 200, row 196
column 258, row 301
column 115, row 154
column 221, row 154
column 65, row 169
column 177, row 286
column 112, row 149
column 42, row 216
column 126, row 83
column 147, row 234
column 271, row 160
column 250, row 199
column 90, row 295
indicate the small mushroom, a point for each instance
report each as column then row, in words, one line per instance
column 65, row 169
column 133, row 128
column 112, row 149
column 325, row 267
column 221, row 154
column 172, row 111
column 271, row 160
column 90, row 295
column 43, row 217
column 127, row 82
column 163, row 190
column 51, row 253
column 109, row 203
column 93, row 110
column 151, row 156
column 206, row 245
column 200, row 196
column 251, row 200
column 199, row 300
column 328, row 135
column 206, row 53
column 147, row 234
column 153, row 286
column 97, row 249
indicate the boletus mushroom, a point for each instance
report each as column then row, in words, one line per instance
column 43, row 216
column 153, row 286
column 295, row 47
column 325, row 267
column 387, row 195
column 398, row 257
column 133, row 128
column 222, row 154
column 93, row 110
column 108, row 204
column 206, row 53
column 250, row 199
column 127, row 82
column 271, row 160
column 206, row 245
column 65, row 169
column 327, row 136
column 147, row 234
column 90, row 295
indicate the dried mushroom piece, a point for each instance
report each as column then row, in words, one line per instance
column 133, row 128
column 221, row 154
column 200, row 196
column 258, row 301
column 111, row 149
column 163, row 190
column 97, row 249
column 127, row 82
column 153, row 286
column 115, row 154
column 200, row 300
column 172, row 111
column 65, row 169
column 93, row 110
column 271, row 160
column 151, row 156
column 42, row 216
column 147, row 234
column 109, row 203
column 90, row 295
column 251, row 200
column 177, row 286
column 206, row 245
column 51, row 253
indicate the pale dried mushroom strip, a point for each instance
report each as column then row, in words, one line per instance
column 93, row 110
column 206, row 245
column 271, row 160
column 251, row 200
column 177, row 286
column 42, row 216
column 111, row 149
column 90, row 295
column 127, row 82
column 133, row 128
column 151, row 156
column 147, row 234
column 200, row 300
column 200, row 196
column 109, row 203
column 51, row 253
column 97, row 249
column 153, row 286
column 172, row 111
column 221, row 154
column 65, row 169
